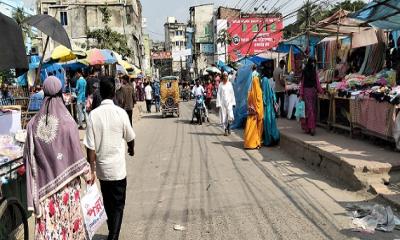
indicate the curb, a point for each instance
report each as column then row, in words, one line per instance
column 327, row 162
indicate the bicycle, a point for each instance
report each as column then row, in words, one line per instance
column 13, row 217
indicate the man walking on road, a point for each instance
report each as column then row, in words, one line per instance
column 157, row 95
column 80, row 98
column 107, row 133
column 226, row 102
column 129, row 98
column 149, row 96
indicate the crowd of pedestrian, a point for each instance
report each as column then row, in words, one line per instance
column 105, row 105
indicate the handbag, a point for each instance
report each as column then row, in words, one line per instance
column 251, row 111
column 300, row 110
column 93, row 210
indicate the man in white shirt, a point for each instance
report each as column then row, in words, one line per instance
column 107, row 134
column 198, row 90
column 148, row 91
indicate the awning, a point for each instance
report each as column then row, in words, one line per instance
column 340, row 23
column 382, row 14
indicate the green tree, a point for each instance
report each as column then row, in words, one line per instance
column 106, row 38
column 347, row 5
column 309, row 14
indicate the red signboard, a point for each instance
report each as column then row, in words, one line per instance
column 161, row 55
column 253, row 35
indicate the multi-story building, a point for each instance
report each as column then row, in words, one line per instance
column 8, row 8
column 202, row 21
column 221, row 36
column 147, row 63
column 81, row 16
column 162, row 60
column 175, row 42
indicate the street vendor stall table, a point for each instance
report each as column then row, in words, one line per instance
column 13, row 203
column 374, row 118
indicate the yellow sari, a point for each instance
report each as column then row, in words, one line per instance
column 254, row 124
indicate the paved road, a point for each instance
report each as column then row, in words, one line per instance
column 194, row 176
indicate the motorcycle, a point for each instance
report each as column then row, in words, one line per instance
column 199, row 110
column 185, row 95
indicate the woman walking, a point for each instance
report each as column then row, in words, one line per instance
column 54, row 162
column 309, row 89
column 271, row 132
column 254, row 124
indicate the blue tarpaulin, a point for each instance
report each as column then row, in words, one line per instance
column 221, row 65
column 241, row 88
column 285, row 48
column 382, row 14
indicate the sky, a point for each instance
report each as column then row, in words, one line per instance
column 157, row 11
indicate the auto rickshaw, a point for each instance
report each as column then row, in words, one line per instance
column 169, row 89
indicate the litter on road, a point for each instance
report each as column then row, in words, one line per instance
column 178, row 227
column 368, row 218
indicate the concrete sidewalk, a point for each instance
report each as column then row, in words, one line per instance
column 356, row 163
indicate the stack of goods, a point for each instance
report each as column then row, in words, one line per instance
column 326, row 76
column 380, row 86
column 292, row 88
column 9, row 149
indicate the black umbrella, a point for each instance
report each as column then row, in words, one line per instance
column 12, row 47
column 51, row 27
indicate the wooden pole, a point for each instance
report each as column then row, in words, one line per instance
column 37, row 80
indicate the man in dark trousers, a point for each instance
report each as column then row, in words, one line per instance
column 129, row 97
column 107, row 134
column 280, row 86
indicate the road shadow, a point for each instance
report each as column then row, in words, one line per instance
column 205, row 134
column 157, row 116
column 99, row 237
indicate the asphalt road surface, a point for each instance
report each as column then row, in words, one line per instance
column 195, row 177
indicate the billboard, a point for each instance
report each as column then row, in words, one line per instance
column 161, row 55
column 253, row 35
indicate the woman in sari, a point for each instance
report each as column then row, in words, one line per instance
column 309, row 89
column 254, row 124
column 54, row 162
column 271, row 132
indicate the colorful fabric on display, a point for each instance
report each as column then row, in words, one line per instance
column 372, row 115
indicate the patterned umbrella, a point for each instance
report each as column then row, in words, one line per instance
column 100, row 57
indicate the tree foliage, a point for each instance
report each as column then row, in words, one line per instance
column 312, row 13
column 106, row 38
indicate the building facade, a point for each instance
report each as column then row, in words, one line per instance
column 147, row 63
column 81, row 16
column 202, row 21
column 175, row 42
column 221, row 36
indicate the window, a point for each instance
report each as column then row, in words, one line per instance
column 64, row 18
column 182, row 43
column 176, row 43
column 255, row 28
column 244, row 27
column 265, row 28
